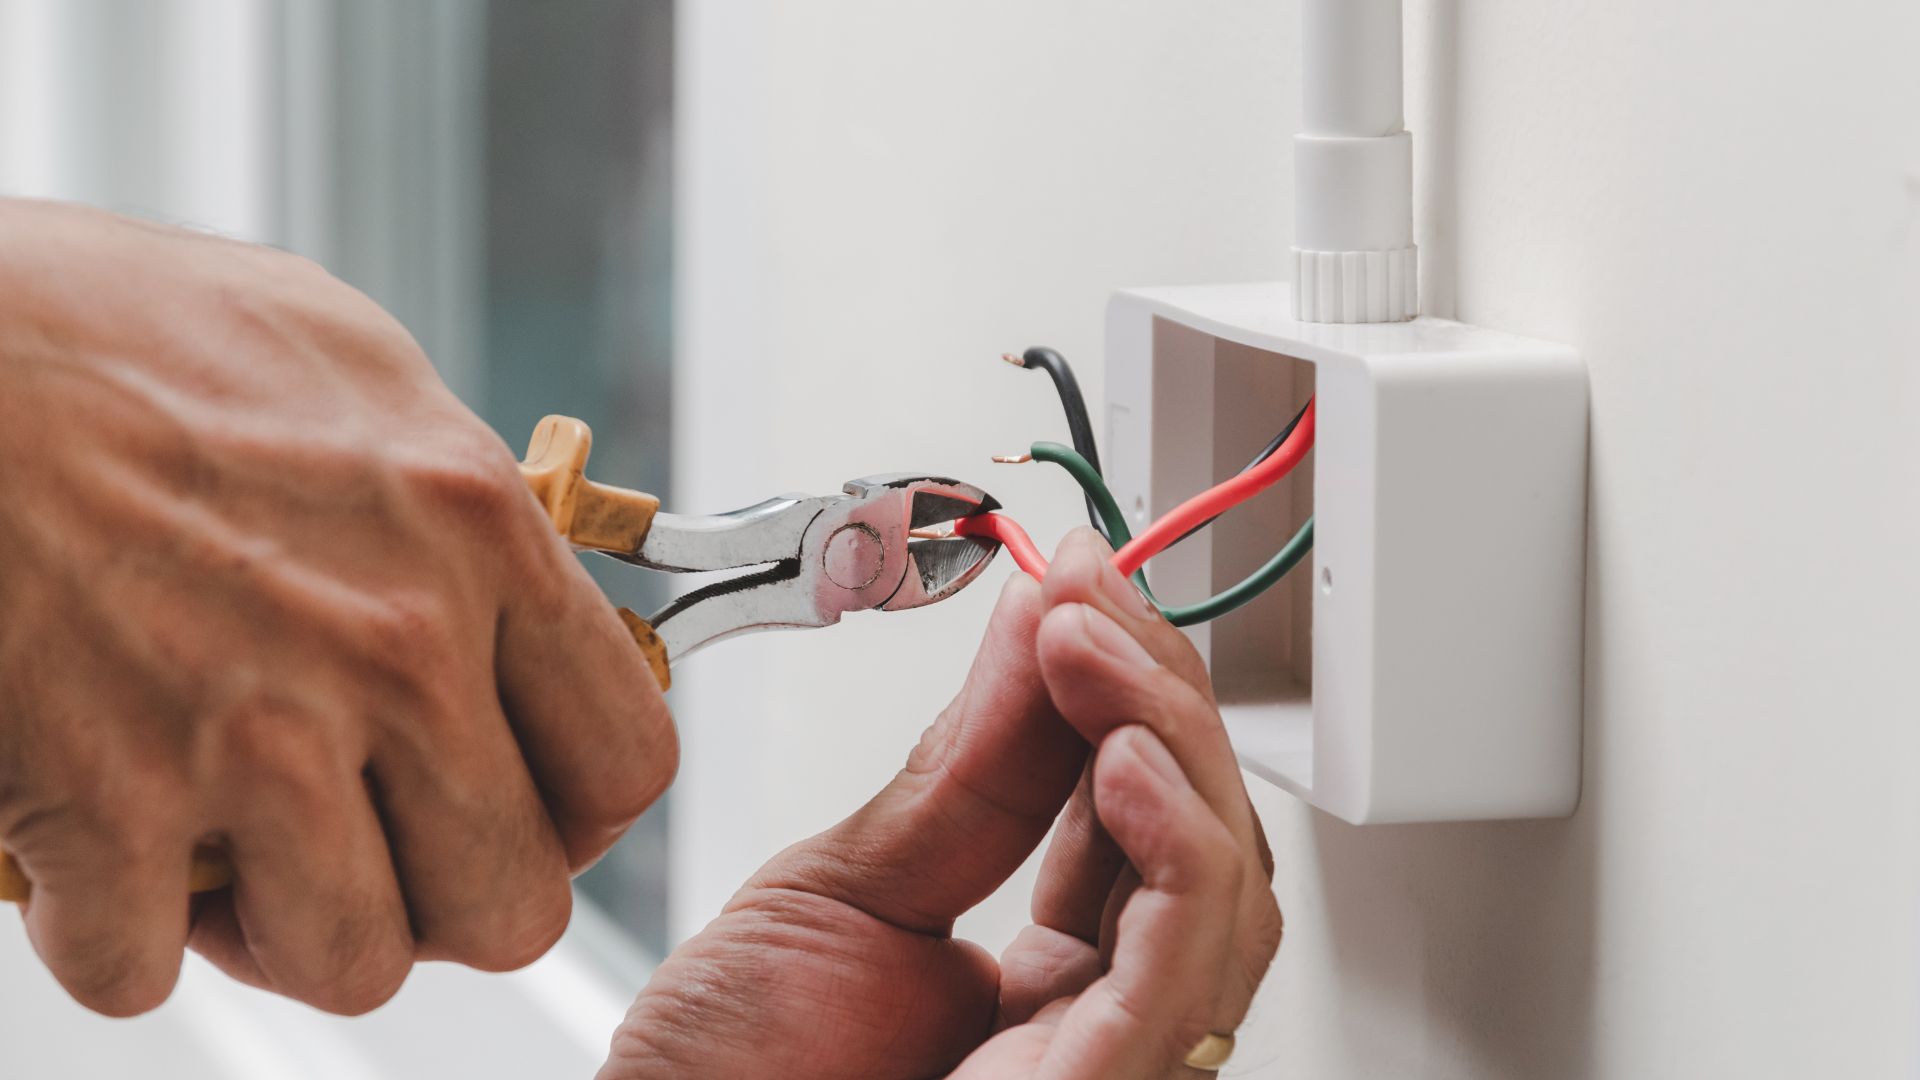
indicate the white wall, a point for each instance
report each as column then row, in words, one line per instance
column 1718, row 204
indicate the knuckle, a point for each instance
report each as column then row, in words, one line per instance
column 411, row 631
column 121, row 999
column 510, row 921
column 352, row 958
column 636, row 786
column 533, row 928
column 114, row 980
column 368, row 983
column 294, row 755
column 471, row 476
column 355, row 1001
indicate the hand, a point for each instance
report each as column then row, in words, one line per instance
column 265, row 584
column 1153, row 921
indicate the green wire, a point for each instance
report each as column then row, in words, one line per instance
column 1118, row 534
column 1253, row 585
column 1088, row 478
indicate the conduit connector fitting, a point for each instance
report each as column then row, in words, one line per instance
column 1354, row 259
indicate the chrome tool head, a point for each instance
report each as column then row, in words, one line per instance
column 935, row 567
column 823, row 557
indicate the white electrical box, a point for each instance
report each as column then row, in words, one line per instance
column 1426, row 666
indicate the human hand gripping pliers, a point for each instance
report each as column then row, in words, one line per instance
column 815, row 557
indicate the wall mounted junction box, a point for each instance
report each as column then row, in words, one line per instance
column 1428, row 668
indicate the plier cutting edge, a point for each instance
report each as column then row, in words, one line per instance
column 818, row 557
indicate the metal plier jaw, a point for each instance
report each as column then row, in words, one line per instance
column 822, row 557
column 818, row 557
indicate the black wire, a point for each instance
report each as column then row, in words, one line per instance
column 1080, row 427
column 1274, row 446
column 1079, row 424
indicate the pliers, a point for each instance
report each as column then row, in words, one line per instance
column 817, row 557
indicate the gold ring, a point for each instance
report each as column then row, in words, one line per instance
column 1211, row 1053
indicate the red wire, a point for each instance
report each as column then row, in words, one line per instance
column 1210, row 503
column 1011, row 536
column 1218, row 499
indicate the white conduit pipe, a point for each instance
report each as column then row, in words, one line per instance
column 1353, row 258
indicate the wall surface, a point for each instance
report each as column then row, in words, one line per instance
column 1717, row 204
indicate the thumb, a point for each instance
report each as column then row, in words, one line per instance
column 977, row 795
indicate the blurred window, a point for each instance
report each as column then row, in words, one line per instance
column 578, row 211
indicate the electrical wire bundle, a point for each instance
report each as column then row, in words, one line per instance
column 1082, row 462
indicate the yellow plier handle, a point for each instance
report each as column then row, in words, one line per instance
column 591, row 515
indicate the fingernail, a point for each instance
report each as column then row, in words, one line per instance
column 1107, row 636
column 1158, row 758
column 1122, row 591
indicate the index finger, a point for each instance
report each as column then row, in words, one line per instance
column 583, row 704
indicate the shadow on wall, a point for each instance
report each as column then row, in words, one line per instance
column 1480, row 936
